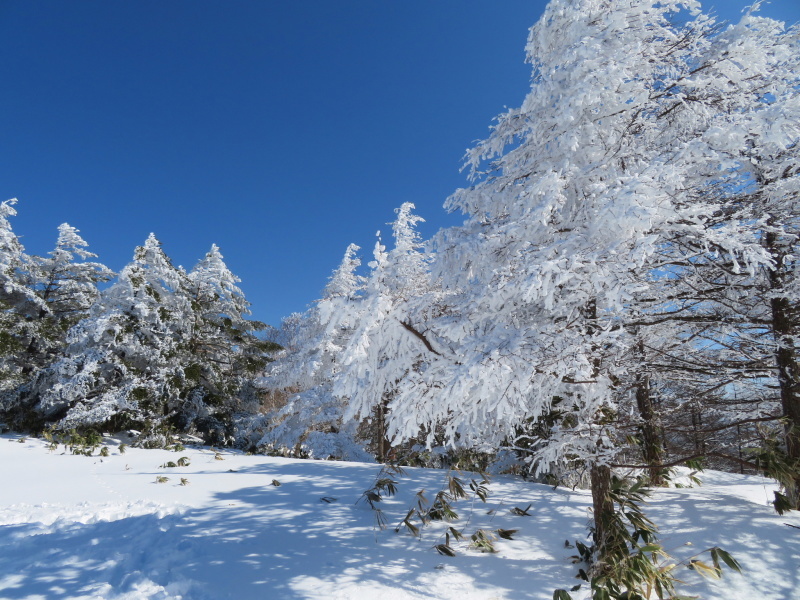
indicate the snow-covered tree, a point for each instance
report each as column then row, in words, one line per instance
column 67, row 285
column 387, row 341
column 766, row 148
column 159, row 349
column 743, row 99
column 311, row 419
column 620, row 149
column 65, row 280
column 221, row 355
column 21, row 310
column 120, row 363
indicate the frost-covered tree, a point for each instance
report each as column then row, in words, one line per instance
column 158, row 349
column 311, row 420
column 42, row 298
column 743, row 99
column 387, row 341
column 765, row 147
column 67, row 285
column 65, row 280
column 13, row 263
column 20, row 308
column 317, row 336
column 120, row 365
column 221, row 354
column 617, row 158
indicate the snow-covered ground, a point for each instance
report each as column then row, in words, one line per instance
column 92, row 527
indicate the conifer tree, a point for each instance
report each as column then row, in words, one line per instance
column 312, row 418
column 65, row 280
column 221, row 355
column 21, row 309
column 67, row 285
column 120, row 364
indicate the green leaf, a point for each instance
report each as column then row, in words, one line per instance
column 728, row 560
column 482, row 541
column 522, row 512
column 387, row 484
column 781, row 503
column 506, row 534
column 601, row 594
column 561, row 595
column 480, row 489
column 456, row 487
column 456, row 534
column 412, row 528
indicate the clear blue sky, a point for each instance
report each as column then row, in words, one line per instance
column 281, row 131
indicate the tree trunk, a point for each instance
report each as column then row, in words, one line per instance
column 652, row 449
column 785, row 359
column 789, row 382
column 603, row 508
column 383, row 444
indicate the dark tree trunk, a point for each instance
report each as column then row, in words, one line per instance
column 786, row 362
column 652, row 448
column 789, row 382
column 384, row 446
column 603, row 508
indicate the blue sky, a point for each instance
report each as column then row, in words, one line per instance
column 281, row 131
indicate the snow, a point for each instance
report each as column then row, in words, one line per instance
column 101, row 527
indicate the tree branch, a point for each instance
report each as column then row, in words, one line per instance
column 419, row 335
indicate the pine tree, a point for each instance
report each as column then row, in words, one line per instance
column 311, row 419
column 68, row 286
column 222, row 355
column 120, row 366
column 21, row 311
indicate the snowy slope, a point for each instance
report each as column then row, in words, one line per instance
column 91, row 527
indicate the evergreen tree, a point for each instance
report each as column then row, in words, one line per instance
column 120, row 366
column 68, row 286
column 222, row 354
column 312, row 420
column 21, row 310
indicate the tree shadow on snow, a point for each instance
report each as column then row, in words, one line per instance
column 768, row 550
column 285, row 542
